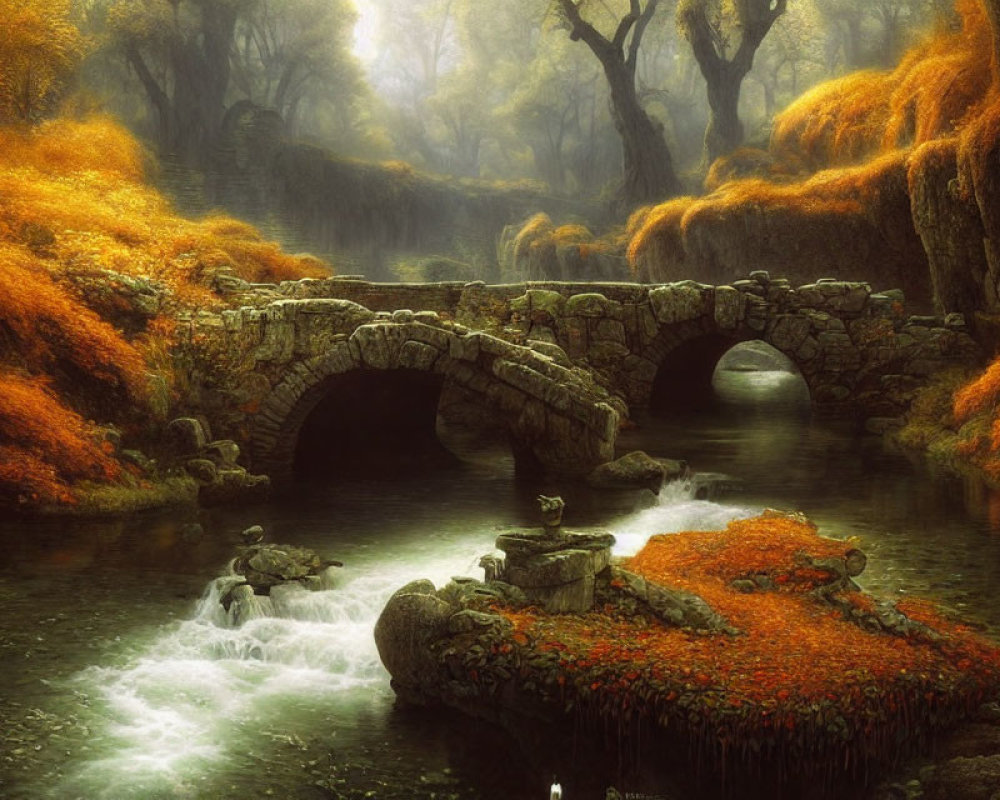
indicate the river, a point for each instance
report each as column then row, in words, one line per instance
column 119, row 680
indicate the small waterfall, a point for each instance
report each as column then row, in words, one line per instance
column 206, row 691
column 175, row 713
column 677, row 509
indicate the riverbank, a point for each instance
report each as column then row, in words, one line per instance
column 97, row 271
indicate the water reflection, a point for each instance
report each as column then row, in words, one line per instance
column 131, row 704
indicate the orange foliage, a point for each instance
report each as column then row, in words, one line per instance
column 46, row 446
column 73, row 201
column 82, row 181
column 980, row 395
column 938, row 82
column 748, row 162
column 39, row 49
column 929, row 94
column 766, row 544
column 836, row 123
column 656, row 238
column 796, row 667
column 976, row 410
column 50, row 332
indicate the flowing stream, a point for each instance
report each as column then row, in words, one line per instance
column 119, row 677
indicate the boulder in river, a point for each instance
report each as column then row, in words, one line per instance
column 635, row 470
column 266, row 565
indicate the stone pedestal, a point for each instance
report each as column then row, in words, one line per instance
column 556, row 569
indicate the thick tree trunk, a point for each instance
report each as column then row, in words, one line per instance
column 648, row 167
column 725, row 131
column 191, row 114
column 724, row 75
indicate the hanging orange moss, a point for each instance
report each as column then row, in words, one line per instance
column 656, row 248
column 812, row 689
column 928, row 95
column 940, row 83
column 749, row 162
column 836, row 123
column 835, row 223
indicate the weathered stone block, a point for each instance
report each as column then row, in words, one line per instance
column 604, row 353
column 202, row 469
column 729, row 307
column 610, row 330
column 539, row 300
column 550, row 569
column 464, row 348
column 570, row 598
column 417, row 355
column 679, row 302
column 592, row 304
column 375, row 347
column 187, row 435
column 428, row 334
column 635, row 470
column 788, row 333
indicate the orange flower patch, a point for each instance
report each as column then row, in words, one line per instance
column 800, row 676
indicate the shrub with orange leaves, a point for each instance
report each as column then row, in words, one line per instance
column 46, row 448
column 45, row 330
column 543, row 251
column 816, row 693
column 970, row 435
column 76, row 216
column 81, row 182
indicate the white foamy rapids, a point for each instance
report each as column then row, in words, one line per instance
column 676, row 510
column 171, row 713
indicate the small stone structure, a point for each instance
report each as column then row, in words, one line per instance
column 214, row 465
column 555, row 569
column 262, row 571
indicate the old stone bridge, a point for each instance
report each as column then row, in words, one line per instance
column 559, row 365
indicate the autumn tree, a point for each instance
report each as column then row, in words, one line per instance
column 993, row 11
column 194, row 59
column 713, row 27
column 791, row 58
column 180, row 51
column 39, row 49
column 648, row 167
column 294, row 55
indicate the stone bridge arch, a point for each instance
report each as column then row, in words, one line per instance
column 856, row 350
column 555, row 417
